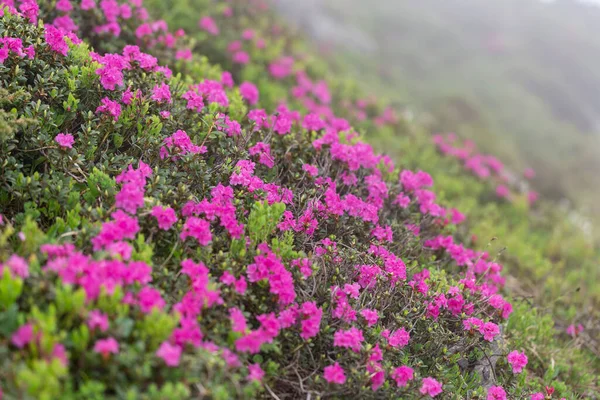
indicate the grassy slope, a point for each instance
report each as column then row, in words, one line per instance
column 551, row 262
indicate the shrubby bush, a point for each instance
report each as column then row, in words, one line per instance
column 169, row 234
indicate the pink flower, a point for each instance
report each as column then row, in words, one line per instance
column 402, row 375
column 399, row 338
column 59, row 353
column 489, row 330
column 472, row 323
column 311, row 322
column 110, row 107
column 532, row 197
column 149, row 299
column 538, row 396
column 64, row 5
column 197, row 228
column 96, row 319
column 161, row 93
column 255, row 372
column 165, row 217
column 238, row 321
column 65, row 140
column 311, row 169
column 334, row 374
column 169, row 353
column 209, row 25
column 17, row 266
column 56, row 40
column 248, row 34
column 22, row 336
column 370, row 316
column 88, row 4
column 249, row 92
column 313, row 122
column 227, row 79
column 106, row 347
column 517, row 360
column 430, row 387
column 496, row 393
column 263, row 150
column 351, row 338
column 241, row 57
column 502, row 191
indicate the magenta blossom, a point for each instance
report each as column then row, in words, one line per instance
column 249, row 92
column 165, row 216
column 334, row 374
column 22, row 336
column 496, row 393
column 517, row 360
column 430, row 387
column 169, row 353
column 65, row 140
column 106, row 347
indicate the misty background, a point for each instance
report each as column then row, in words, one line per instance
column 519, row 77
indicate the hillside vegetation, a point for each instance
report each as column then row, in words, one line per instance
column 192, row 206
column 519, row 77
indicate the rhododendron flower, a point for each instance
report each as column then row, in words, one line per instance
column 106, row 347
column 311, row 322
column 165, row 216
column 169, row 353
column 263, row 150
column 310, row 169
column 282, row 67
column 351, row 338
column 431, row 387
column 496, row 393
column 209, row 25
column 241, row 57
column 179, row 143
column 334, row 374
column 502, row 191
column 184, row 55
column 255, row 372
column 59, row 353
column 88, row 4
column 197, row 228
column 471, row 324
column 313, row 122
column 110, row 107
column 96, row 319
column 398, row 338
column 517, row 360
column 22, row 336
column 402, row 375
column 161, row 93
column 489, row 330
column 248, row 34
column 227, row 79
column 64, row 5
column 573, row 330
column 249, row 92
column 537, row 396
column 149, row 299
column 65, row 140
column 17, row 266
column 238, row 321
column 30, row 10
column 56, row 40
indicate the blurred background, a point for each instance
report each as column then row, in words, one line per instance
column 521, row 78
